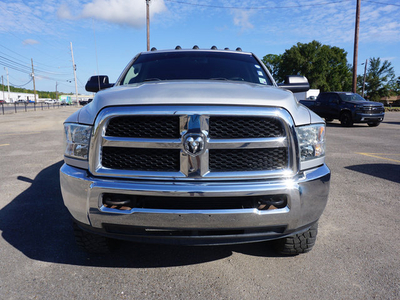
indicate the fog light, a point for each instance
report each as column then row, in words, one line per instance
column 119, row 201
column 272, row 202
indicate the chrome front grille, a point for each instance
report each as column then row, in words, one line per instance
column 372, row 110
column 193, row 143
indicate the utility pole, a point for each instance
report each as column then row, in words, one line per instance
column 33, row 77
column 365, row 74
column 148, row 23
column 8, row 85
column 74, row 67
column 355, row 55
column 56, row 91
column 2, row 83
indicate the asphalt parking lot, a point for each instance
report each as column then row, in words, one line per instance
column 356, row 255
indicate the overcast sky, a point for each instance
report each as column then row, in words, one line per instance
column 107, row 34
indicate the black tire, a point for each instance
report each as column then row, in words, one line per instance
column 373, row 124
column 327, row 120
column 346, row 119
column 297, row 244
column 90, row 242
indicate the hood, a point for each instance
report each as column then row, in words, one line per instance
column 195, row 93
column 366, row 103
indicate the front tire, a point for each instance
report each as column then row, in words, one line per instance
column 90, row 242
column 297, row 244
column 346, row 119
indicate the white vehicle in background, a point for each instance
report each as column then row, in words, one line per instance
column 51, row 101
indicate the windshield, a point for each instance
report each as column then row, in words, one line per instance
column 351, row 97
column 189, row 65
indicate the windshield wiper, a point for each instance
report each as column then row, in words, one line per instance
column 152, row 79
column 218, row 78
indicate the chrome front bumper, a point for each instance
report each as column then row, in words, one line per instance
column 364, row 118
column 307, row 195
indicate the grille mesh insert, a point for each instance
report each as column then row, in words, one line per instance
column 225, row 127
column 144, row 127
column 230, row 160
column 162, row 160
column 373, row 110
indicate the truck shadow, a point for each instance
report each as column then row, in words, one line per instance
column 337, row 124
column 37, row 224
column 392, row 123
column 389, row 172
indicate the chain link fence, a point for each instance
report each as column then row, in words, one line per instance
column 10, row 108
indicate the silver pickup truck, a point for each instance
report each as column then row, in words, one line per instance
column 195, row 147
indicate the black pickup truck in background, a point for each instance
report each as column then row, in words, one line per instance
column 348, row 108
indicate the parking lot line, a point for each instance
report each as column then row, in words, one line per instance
column 379, row 155
column 1, row 145
column 20, row 133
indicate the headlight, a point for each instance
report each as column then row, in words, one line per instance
column 77, row 138
column 311, row 141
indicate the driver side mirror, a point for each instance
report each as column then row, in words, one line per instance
column 295, row 84
column 98, row 83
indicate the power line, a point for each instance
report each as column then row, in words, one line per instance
column 13, row 51
column 27, row 69
column 20, row 86
column 274, row 7
column 382, row 3
column 11, row 66
column 49, row 72
column 16, row 61
column 23, row 26
column 82, row 85
column 14, row 78
column 33, row 46
column 11, row 62
column 257, row 7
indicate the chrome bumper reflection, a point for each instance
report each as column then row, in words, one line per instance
column 307, row 196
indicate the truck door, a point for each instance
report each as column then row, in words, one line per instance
column 321, row 105
column 333, row 109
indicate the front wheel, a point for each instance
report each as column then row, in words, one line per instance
column 297, row 244
column 90, row 242
column 346, row 119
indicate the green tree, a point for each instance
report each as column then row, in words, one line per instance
column 325, row 67
column 380, row 80
column 397, row 87
column 273, row 62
